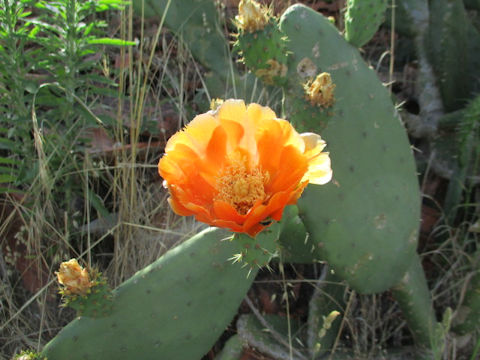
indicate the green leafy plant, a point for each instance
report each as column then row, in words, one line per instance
column 16, row 61
column 48, row 69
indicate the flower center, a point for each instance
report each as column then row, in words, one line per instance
column 239, row 186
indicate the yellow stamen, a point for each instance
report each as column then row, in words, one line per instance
column 240, row 186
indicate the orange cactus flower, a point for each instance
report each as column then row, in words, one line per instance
column 238, row 167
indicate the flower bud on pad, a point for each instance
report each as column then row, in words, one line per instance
column 83, row 290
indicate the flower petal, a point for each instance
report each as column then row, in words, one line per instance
column 292, row 167
column 319, row 170
column 313, row 143
column 260, row 115
column 233, row 110
column 184, row 168
column 262, row 212
column 232, row 225
column 235, row 132
column 216, row 148
column 224, row 210
column 196, row 134
column 178, row 208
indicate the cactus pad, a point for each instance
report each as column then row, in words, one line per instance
column 174, row 309
column 97, row 302
column 264, row 53
column 362, row 19
column 365, row 221
column 257, row 251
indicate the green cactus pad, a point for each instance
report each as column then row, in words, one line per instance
column 255, row 333
column 232, row 350
column 450, row 33
column 365, row 221
column 96, row 303
column 197, row 25
column 174, row 309
column 264, row 53
column 295, row 244
column 413, row 297
column 256, row 252
column 303, row 68
column 362, row 19
column 307, row 118
column 196, row 22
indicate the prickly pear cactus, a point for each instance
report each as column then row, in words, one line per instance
column 413, row 297
column 365, row 221
column 198, row 25
column 261, row 43
column 450, row 33
column 232, row 350
column 195, row 22
column 362, row 19
column 176, row 308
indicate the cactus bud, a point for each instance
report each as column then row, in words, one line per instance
column 320, row 91
column 24, row 357
column 74, row 278
column 83, row 290
column 29, row 355
column 252, row 16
